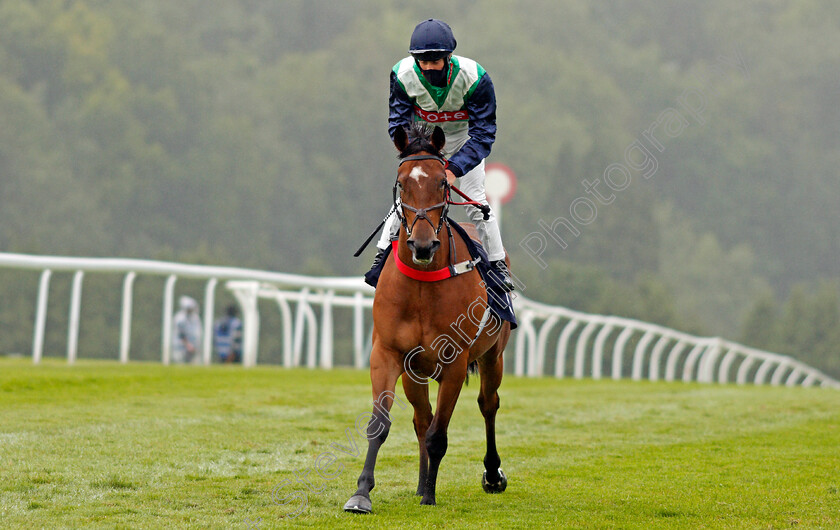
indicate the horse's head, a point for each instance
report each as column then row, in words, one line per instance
column 422, row 189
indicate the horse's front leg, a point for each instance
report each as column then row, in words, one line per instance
column 418, row 396
column 384, row 371
column 436, row 437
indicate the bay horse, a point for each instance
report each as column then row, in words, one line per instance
column 423, row 329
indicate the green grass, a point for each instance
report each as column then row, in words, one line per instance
column 144, row 446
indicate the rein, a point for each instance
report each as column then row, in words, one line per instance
column 469, row 202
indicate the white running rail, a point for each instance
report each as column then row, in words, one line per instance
column 550, row 340
column 172, row 271
column 597, row 346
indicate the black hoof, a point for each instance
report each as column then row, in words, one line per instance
column 358, row 504
column 495, row 487
column 427, row 502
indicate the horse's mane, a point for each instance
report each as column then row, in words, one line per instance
column 419, row 140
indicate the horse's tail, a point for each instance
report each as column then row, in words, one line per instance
column 472, row 368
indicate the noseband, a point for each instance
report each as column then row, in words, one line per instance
column 420, row 213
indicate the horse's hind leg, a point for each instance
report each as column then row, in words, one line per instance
column 490, row 368
column 418, row 396
column 384, row 371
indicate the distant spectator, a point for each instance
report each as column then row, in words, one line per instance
column 227, row 334
column 186, row 336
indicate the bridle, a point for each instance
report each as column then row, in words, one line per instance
column 420, row 213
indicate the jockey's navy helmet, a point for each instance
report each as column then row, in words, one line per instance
column 432, row 40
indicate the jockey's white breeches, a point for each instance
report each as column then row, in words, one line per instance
column 472, row 184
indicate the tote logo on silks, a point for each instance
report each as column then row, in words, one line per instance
column 437, row 117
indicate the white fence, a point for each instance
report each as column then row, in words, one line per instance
column 595, row 346
column 550, row 340
column 172, row 271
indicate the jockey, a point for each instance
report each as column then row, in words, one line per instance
column 456, row 94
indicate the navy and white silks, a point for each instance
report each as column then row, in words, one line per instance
column 466, row 111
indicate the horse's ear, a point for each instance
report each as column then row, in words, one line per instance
column 400, row 139
column 438, row 138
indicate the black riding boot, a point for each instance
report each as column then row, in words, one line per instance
column 377, row 260
column 372, row 276
column 503, row 275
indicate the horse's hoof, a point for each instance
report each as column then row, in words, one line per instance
column 427, row 502
column 494, row 487
column 358, row 504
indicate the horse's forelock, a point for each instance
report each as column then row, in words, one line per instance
column 419, row 140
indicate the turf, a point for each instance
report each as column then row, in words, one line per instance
column 105, row 445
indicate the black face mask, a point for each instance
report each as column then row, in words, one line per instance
column 437, row 77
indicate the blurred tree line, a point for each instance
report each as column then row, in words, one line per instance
column 253, row 133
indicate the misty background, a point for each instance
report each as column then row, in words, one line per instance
column 253, row 133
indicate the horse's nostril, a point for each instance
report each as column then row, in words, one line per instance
column 423, row 251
